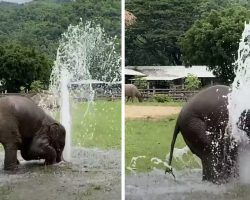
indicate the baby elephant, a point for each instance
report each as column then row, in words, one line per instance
column 26, row 127
column 204, row 125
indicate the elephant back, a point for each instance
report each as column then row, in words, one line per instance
column 26, row 113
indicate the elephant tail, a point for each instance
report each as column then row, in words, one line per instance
column 176, row 131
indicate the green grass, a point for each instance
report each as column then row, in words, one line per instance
column 99, row 127
column 154, row 103
column 153, row 139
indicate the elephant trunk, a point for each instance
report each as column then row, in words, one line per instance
column 59, row 157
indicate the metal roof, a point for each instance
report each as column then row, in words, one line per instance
column 162, row 72
column 161, row 78
column 132, row 72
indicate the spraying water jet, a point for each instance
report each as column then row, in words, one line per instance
column 239, row 105
column 85, row 54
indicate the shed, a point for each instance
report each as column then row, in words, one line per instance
column 172, row 76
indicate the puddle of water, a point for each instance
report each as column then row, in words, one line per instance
column 188, row 185
column 92, row 174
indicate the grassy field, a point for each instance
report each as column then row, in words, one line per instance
column 152, row 139
column 100, row 126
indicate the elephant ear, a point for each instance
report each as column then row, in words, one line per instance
column 42, row 131
column 55, row 131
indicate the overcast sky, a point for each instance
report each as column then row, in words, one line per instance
column 16, row 1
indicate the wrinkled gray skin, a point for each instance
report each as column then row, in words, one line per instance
column 26, row 127
column 131, row 92
column 203, row 121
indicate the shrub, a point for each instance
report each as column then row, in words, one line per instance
column 22, row 89
column 192, row 82
column 141, row 83
column 36, row 86
column 162, row 98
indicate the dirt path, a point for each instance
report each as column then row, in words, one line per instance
column 93, row 174
column 154, row 112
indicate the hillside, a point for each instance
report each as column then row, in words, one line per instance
column 30, row 34
column 16, row 1
column 40, row 23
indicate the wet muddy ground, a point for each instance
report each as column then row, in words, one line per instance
column 187, row 186
column 92, row 174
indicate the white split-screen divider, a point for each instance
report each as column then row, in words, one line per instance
column 123, row 101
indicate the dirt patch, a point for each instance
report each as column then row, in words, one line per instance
column 92, row 174
column 154, row 112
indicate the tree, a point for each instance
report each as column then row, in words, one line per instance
column 192, row 82
column 214, row 39
column 20, row 66
column 153, row 39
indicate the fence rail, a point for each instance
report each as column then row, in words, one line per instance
column 148, row 94
column 177, row 95
column 106, row 96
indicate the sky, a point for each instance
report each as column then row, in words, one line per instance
column 16, row 1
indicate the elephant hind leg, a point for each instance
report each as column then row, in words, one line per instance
column 220, row 164
column 196, row 137
column 208, row 171
column 200, row 143
column 218, row 170
column 11, row 141
column 10, row 158
column 213, row 170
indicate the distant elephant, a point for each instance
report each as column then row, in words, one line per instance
column 131, row 91
column 203, row 122
column 26, row 127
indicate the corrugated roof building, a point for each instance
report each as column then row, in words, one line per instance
column 164, row 76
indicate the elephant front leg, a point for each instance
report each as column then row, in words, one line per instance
column 10, row 159
column 39, row 148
